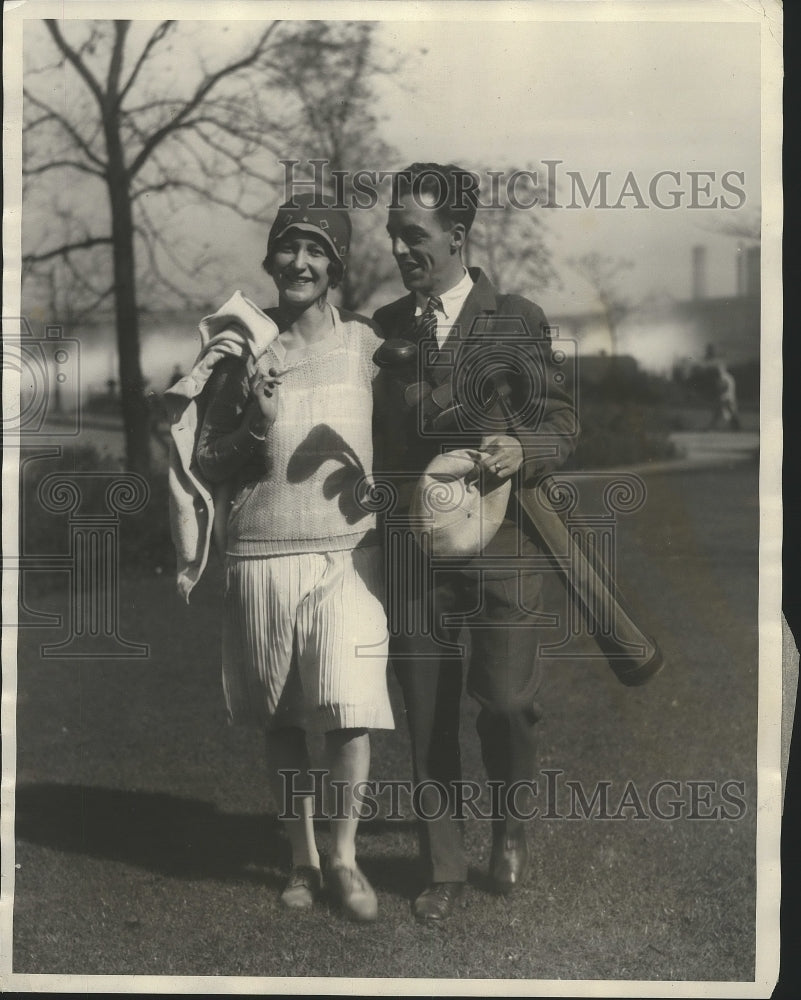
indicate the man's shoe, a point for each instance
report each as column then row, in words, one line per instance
column 437, row 902
column 302, row 888
column 353, row 892
column 509, row 861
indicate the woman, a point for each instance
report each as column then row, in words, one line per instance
column 304, row 636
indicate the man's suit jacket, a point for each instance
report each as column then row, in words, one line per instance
column 507, row 332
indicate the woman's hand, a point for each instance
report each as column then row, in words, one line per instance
column 263, row 406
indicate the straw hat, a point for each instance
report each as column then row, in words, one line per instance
column 459, row 517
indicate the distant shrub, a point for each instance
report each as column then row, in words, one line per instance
column 145, row 543
column 616, row 380
column 617, row 434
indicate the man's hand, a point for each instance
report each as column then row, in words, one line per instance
column 503, row 455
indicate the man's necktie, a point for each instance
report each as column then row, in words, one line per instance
column 427, row 322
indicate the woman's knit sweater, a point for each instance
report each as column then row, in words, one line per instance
column 299, row 490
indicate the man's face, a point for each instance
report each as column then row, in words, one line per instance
column 423, row 250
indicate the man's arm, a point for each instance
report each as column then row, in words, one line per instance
column 553, row 422
column 389, row 408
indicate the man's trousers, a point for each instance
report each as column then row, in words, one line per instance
column 493, row 613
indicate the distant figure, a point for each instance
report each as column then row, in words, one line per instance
column 725, row 413
column 176, row 376
column 111, row 387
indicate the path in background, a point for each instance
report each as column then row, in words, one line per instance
column 712, row 447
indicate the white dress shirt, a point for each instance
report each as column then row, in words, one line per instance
column 452, row 302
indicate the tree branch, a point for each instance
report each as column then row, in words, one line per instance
column 205, row 87
column 237, row 161
column 53, row 164
column 148, row 239
column 86, row 285
column 72, row 56
column 66, row 248
column 78, row 139
column 154, row 39
column 159, row 102
column 115, row 65
column 173, row 184
column 90, row 307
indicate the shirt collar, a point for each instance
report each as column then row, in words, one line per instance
column 452, row 300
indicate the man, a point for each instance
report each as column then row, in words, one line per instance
column 725, row 413
column 474, row 346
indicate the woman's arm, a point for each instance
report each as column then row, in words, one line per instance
column 232, row 424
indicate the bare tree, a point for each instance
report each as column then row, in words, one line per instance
column 201, row 137
column 509, row 244
column 336, row 134
column 157, row 132
column 603, row 272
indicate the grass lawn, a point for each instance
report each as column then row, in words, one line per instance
column 147, row 842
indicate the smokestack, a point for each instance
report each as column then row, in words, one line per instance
column 699, row 272
column 748, row 268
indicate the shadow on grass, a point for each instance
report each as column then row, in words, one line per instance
column 183, row 837
column 180, row 837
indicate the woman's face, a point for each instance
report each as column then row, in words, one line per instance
column 300, row 268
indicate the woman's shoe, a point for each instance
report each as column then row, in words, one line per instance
column 302, row 888
column 350, row 888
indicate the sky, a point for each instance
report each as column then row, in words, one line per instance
column 617, row 97
column 628, row 98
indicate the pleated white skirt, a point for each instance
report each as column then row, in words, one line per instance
column 305, row 640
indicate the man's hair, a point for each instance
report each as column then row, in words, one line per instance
column 452, row 190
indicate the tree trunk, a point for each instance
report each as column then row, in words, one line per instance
column 135, row 411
